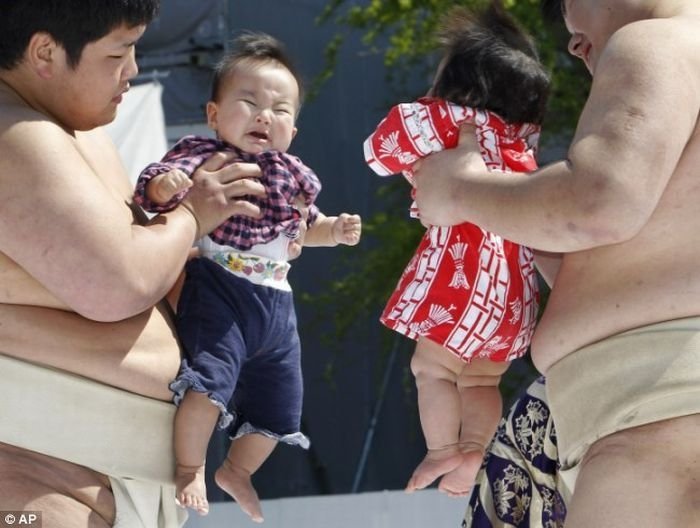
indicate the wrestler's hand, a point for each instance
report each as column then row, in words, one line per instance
column 347, row 229
column 441, row 180
column 217, row 189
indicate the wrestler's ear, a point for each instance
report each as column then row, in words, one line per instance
column 41, row 54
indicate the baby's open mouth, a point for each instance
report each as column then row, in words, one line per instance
column 259, row 135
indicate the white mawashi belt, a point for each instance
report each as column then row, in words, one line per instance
column 85, row 422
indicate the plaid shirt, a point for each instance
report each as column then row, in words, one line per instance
column 285, row 178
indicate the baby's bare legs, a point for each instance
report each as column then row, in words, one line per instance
column 246, row 455
column 481, row 410
column 194, row 422
column 436, row 371
column 459, row 406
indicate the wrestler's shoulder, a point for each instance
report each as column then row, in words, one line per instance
column 32, row 144
column 24, row 130
column 657, row 52
column 676, row 35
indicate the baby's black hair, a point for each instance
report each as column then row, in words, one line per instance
column 253, row 46
column 491, row 63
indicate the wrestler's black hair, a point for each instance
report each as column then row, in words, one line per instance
column 72, row 23
column 491, row 63
column 253, row 46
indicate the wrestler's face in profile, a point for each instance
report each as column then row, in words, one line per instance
column 86, row 95
column 256, row 107
column 591, row 23
column 578, row 17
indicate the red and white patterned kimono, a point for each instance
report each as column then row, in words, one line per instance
column 465, row 288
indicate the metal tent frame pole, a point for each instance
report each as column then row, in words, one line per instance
column 369, row 436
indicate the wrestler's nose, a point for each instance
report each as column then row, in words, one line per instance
column 131, row 69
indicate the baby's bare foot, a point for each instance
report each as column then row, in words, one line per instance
column 236, row 482
column 459, row 481
column 436, row 463
column 190, row 489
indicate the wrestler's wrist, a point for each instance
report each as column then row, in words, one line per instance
column 184, row 206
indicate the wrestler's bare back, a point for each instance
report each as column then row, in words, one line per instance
column 652, row 277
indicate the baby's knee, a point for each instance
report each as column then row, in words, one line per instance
column 431, row 367
column 482, row 373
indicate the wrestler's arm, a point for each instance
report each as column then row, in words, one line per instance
column 70, row 229
column 633, row 129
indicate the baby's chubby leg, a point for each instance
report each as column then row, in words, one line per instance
column 245, row 456
column 194, row 422
column 436, row 371
column 481, row 410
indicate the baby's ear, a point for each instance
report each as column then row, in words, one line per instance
column 294, row 132
column 212, row 115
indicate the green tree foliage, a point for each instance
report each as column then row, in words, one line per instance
column 402, row 31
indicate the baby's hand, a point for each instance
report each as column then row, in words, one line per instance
column 163, row 187
column 347, row 229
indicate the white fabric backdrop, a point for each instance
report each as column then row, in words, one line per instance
column 139, row 129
